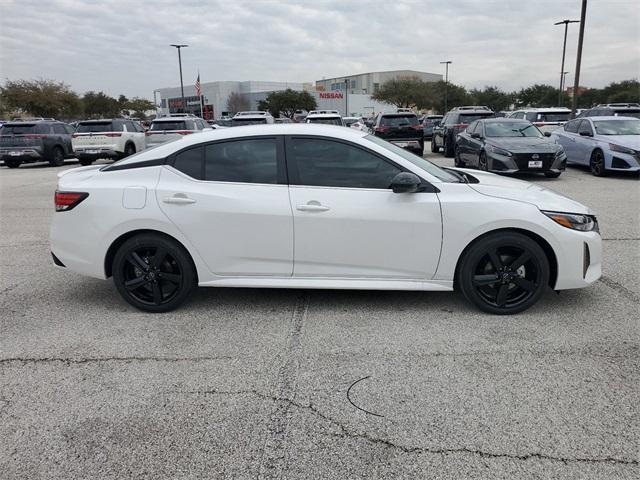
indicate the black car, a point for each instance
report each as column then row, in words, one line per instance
column 454, row 122
column 429, row 123
column 613, row 110
column 506, row 145
column 401, row 129
column 35, row 141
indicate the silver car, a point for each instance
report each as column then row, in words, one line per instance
column 167, row 129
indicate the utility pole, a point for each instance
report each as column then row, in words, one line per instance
column 576, row 83
column 564, row 50
column 446, row 84
column 184, row 106
column 346, row 97
column 563, row 88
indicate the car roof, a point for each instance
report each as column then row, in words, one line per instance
column 502, row 120
column 543, row 109
column 324, row 115
column 609, row 117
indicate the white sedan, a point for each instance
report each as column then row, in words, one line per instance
column 315, row 206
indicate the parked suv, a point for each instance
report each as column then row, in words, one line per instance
column 546, row 119
column 453, row 123
column 35, row 141
column 251, row 118
column 166, row 129
column 401, row 129
column 325, row 118
column 613, row 110
column 429, row 122
column 108, row 138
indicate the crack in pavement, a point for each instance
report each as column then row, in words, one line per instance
column 348, row 433
column 624, row 291
column 79, row 361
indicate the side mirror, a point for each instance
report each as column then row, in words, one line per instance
column 476, row 135
column 585, row 133
column 405, row 182
column 547, row 134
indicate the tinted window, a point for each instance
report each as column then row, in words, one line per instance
column 512, row 129
column 189, row 162
column 69, row 129
column 326, row 120
column 169, row 125
column 470, row 117
column 246, row 161
column 471, row 128
column 572, row 126
column 335, row 164
column 247, row 121
column 17, row 129
column 585, row 126
column 59, row 129
column 95, row 127
column 398, row 120
column 627, row 113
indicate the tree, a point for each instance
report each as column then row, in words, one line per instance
column 627, row 91
column 237, row 103
column 43, row 98
column 139, row 106
column 100, row 105
column 492, row 97
column 403, row 92
column 287, row 102
column 539, row 96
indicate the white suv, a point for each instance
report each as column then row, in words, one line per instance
column 325, row 118
column 110, row 138
column 166, row 129
column 546, row 119
column 251, row 118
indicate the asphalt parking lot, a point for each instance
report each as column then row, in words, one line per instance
column 248, row 383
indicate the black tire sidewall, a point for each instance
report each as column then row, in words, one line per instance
column 57, row 162
column 12, row 163
column 175, row 250
column 603, row 171
column 479, row 249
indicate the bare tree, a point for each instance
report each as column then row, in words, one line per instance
column 237, row 103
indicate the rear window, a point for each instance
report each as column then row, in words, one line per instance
column 326, row 120
column 18, row 129
column 248, row 121
column 472, row 117
column 627, row 113
column 548, row 116
column 93, row 127
column 172, row 125
column 398, row 120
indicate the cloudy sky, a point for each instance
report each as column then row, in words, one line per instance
column 123, row 46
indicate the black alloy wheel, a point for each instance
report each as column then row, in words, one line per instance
column 483, row 163
column 153, row 273
column 448, row 148
column 457, row 161
column 57, row 157
column 504, row 273
column 597, row 164
column 129, row 149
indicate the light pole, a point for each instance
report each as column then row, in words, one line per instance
column 563, row 87
column 446, row 84
column 346, row 97
column 180, row 66
column 576, row 83
column 564, row 50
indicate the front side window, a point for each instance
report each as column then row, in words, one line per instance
column 328, row 163
column 585, row 126
column 245, row 161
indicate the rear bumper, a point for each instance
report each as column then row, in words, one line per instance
column 21, row 153
column 95, row 153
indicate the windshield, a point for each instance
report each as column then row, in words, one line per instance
column 419, row 162
column 94, row 127
column 398, row 120
column 169, row 125
column 248, row 121
column 511, row 129
column 627, row 113
column 617, row 127
column 326, row 121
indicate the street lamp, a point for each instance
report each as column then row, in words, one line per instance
column 180, row 66
column 564, row 50
column 563, row 86
column 446, row 84
column 346, row 97
column 576, row 82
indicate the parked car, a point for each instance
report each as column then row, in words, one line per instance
column 348, row 121
column 325, row 118
column 456, row 120
column 251, row 118
column 605, row 144
column 167, row 129
column 429, row 122
column 367, row 215
column 401, row 129
column 546, row 119
column 283, row 120
column 107, row 138
column 221, row 122
column 507, row 145
column 613, row 109
column 35, row 141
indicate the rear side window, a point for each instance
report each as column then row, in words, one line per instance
column 59, row 129
column 94, row 127
column 189, row 162
column 398, row 120
column 169, row 125
column 572, row 126
column 244, row 161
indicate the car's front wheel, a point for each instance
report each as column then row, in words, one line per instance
column 153, row 272
column 12, row 163
column 448, row 148
column 597, row 164
column 457, row 161
column 483, row 163
column 434, row 146
column 503, row 273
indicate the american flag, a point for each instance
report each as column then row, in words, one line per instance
column 198, row 92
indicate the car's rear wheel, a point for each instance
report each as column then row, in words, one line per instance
column 434, row 147
column 552, row 174
column 597, row 164
column 457, row 161
column 504, row 273
column 448, row 148
column 153, row 272
column 12, row 163
column 129, row 149
column 57, row 157
column 483, row 163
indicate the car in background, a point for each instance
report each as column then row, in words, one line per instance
column 112, row 138
column 35, row 141
column 324, row 118
column 456, row 120
column 167, row 129
column 252, row 118
column 508, row 145
column 546, row 119
column 613, row 110
column 605, row 144
column 283, row 120
column 401, row 129
column 429, row 122
column 221, row 122
column 348, row 121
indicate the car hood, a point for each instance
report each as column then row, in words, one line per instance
column 512, row 189
column 629, row 141
column 523, row 144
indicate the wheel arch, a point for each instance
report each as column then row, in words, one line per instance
column 546, row 247
column 117, row 243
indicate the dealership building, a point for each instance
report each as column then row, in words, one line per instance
column 350, row 95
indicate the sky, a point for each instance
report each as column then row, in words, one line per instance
column 122, row 47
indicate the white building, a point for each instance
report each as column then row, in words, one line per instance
column 369, row 83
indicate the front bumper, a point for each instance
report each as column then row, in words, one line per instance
column 622, row 162
column 579, row 259
column 525, row 162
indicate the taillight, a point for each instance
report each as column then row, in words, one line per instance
column 381, row 129
column 147, row 133
column 75, row 135
column 184, row 132
column 113, row 134
column 416, row 127
column 67, row 200
column 460, row 125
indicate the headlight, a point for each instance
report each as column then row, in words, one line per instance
column 499, row 151
column 574, row 221
column 619, row 148
column 560, row 153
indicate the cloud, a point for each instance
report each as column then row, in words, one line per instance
column 123, row 46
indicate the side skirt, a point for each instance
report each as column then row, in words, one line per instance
column 331, row 283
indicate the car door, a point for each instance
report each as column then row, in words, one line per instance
column 462, row 141
column 61, row 137
column 567, row 138
column 348, row 223
column 584, row 144
column 475, row 144
column 230, row 199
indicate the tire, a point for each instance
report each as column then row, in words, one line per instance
column 86, row 161
column 434, row 147
column 552, row 174
column 420, row 152
column 129, row 149
column 149, row 283
column 483, row 163
column 12, row 163
column 503, row 273
column 456, row 158
column 448, row 149
column 596, row 163
column 57, row 157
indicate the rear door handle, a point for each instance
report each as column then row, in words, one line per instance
column 178, row 199
column 312, row 207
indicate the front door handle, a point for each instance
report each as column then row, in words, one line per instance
column 312, row 206
column 179, row 199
